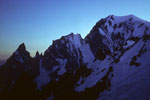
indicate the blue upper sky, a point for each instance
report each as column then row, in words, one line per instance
column 38, row 22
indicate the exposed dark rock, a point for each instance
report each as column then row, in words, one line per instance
column 130, row 19
column 110, row 23
column 140, row 25
column 115, row 26
column 37, row 54
column 100, row 55
column 134, row 63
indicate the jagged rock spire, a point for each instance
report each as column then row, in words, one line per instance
column 37, row 54
column 21, row 47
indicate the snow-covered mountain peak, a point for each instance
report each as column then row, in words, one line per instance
column 70, row 41
column 114, row 31
column 131, row 18
column 73, row 35
column 127, row 18
column 114, row 56
column 111, row 20
column 75, row 39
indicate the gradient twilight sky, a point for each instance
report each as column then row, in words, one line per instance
column 38, row 22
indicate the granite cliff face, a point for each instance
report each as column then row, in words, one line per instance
column 110, row 63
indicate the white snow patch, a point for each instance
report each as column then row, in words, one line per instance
column 43, row 78
column 130, row 82
column 76, row 40
column 80, row 80
column 129, row 43
column 50, row 98
column 102, row 32
column 18, row 58
column 134, row 23
column 87, row 54
column 95, row 76
column 133, row 50
column 126, row 18
column 108, row 39
column 61, row 67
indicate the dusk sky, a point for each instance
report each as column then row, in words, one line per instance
column 38, row 22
